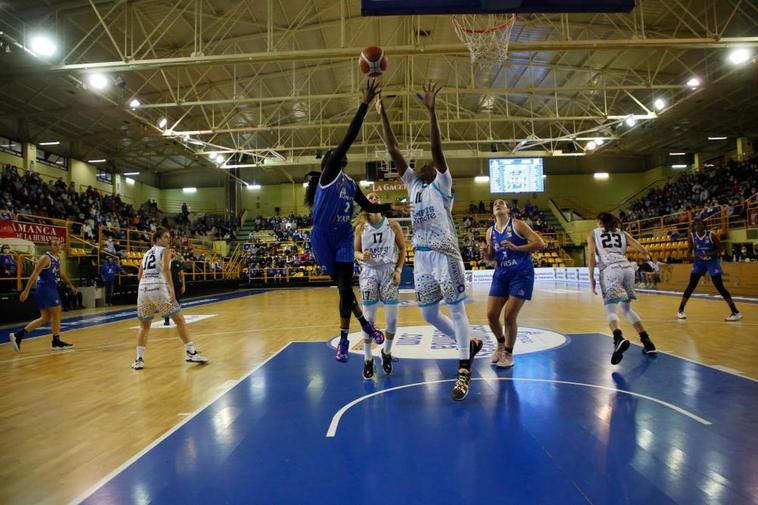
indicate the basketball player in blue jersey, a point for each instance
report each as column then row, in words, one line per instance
column 510, row 242
column 44, row 278
column 707, row 248
column 331, row 194
column 438, row 271
column 380, row 249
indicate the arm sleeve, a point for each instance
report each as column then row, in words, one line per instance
column 361, row 200
column 334, row 163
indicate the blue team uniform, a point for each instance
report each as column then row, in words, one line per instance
column 46, row 290
column 332, row 233
column 514, row 275
column 705, row 259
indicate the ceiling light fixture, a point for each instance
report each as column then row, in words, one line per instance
column 162, row 123
column 693, row 83
column 51, row 143
column 97, row 81
column 739, row 55
column 601, row 175
column 659, row 104
column 42, row 45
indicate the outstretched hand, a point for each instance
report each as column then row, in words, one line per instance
column 371, row 90
column 430, row 94
column 401, row 207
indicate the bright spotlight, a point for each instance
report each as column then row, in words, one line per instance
column 134, row 103
column 693, row 83
column 659, row 104
column 42, row 45
column 630, row 121
column 97, row 81
column 739, row 56
column 162, row 123
column 599, row 142
column 591, row 145
column 253, row 186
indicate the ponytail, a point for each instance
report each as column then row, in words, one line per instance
column 608, row 221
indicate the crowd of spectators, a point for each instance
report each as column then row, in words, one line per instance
column 529, row 213
column 700, row 193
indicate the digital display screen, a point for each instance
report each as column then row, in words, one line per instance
column 516, row 175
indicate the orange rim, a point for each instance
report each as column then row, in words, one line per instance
column 495, row 28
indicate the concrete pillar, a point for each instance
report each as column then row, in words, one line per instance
column 744, row 148
column 698, row 161
column 29, row 153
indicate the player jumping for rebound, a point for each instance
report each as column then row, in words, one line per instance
column 707, row 248
column 331, row 194
column 380, row 249
column 156, row 293
column 510, row 242
column 438, row 267
column 609, row 243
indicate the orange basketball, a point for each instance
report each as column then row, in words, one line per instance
column 372, row 61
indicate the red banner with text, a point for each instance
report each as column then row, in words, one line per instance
column 33, row 232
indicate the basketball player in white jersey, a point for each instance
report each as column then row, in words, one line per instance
column 156, row 294
column 438, row 266
column 380, row 250
column 608, row 243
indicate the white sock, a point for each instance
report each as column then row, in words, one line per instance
column 367, row 350
column 388, row 344
column 140, row 352
column 462, row 329
column 190, row 347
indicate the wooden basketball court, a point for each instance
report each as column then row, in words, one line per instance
column 70, row 419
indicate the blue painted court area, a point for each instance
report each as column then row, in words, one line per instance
column 562, row 427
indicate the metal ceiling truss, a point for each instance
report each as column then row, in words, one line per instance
column 275, row 82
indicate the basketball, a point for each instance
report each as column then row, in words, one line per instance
column 373, row 61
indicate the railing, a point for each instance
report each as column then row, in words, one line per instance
column 723, row 219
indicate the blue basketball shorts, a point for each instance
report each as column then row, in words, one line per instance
column 516, row 283
column 46, row 296
column 712, row 266
column 331, row 246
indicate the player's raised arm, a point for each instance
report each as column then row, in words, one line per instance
column 390, row 141
column 333, row 164
column 428, row 99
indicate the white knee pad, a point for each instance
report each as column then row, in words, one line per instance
column 390, row 314
column 610, row 313
column 631, row 315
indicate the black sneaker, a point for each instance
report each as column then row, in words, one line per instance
column 386, row 363
column 368, row 369
column 59, row 345
column 166, row 323
column 648, row 347
column 460, row 389
column 474, row 346
column 619, row 348
column 16, row 342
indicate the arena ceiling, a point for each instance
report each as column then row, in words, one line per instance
column 271, row 84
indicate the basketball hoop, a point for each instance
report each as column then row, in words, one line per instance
column 486, row 43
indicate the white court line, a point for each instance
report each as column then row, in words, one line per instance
column 163, row 437
column 332, row 431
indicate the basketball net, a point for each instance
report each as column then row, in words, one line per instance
column 487, row 41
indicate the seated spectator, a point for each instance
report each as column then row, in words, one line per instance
column 7, row 262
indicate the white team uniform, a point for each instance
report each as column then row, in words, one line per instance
column 153, row 294
column 438, row 270
column 616, row 272
column 377, row 275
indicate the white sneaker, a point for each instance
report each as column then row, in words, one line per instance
column 498, row 354
column 680, row 315
column 733, row 317
column 506, row 361
column 138, row 364
column 195, row 357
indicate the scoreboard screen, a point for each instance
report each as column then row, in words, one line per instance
column 516, row 175
column 410, row 7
